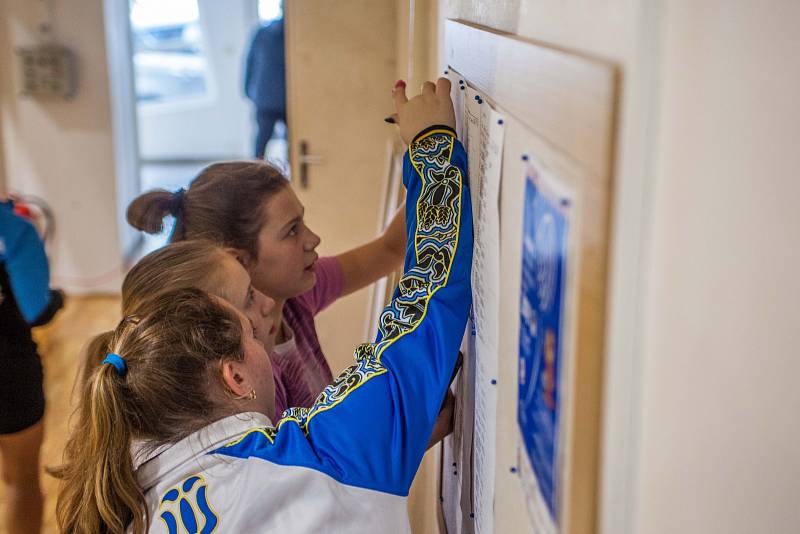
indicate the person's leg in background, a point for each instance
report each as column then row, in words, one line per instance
column 266, row 123
column 22, row 406
column 19, row 466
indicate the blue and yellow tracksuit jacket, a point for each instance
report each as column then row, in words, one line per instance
column 346, row 463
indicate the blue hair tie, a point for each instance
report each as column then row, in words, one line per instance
column 118, row 363
column 176, row 203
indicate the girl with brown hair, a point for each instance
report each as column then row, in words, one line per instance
column 173, row 432
column 250, row 207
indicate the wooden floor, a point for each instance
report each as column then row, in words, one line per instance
column 61, row 346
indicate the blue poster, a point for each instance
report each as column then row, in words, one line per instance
column 544, row 249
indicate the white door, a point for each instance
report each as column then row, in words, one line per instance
column 340, row 71
column 188, row 64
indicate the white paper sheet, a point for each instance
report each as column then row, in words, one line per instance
column 468, row 486
column 485, row 133
column 458, row 96
column 457, row 448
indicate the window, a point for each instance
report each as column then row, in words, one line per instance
column 269, row 10
column 168, row 58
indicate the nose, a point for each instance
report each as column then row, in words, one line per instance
column 267, row 304
column 312, row 240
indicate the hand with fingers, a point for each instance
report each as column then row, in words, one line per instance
column 431, row 107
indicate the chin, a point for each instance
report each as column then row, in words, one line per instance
column 310, row 280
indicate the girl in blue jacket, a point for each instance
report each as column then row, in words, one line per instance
column 173, row 433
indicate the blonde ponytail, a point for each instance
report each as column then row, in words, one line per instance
column 100, row 492
column 164, row 387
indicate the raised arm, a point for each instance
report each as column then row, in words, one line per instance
column 364, row 265
column 370, row 427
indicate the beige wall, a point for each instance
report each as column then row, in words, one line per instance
column 62, row 150
column 418, row 31
column 624, row 33
column 700, row 429
column 597, row 27
column 720, row 449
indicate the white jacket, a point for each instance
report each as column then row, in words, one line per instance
column 233, row 495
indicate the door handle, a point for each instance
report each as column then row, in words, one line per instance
column 306, row 159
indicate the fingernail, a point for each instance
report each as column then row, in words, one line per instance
column 399, row 83
column 390, row 120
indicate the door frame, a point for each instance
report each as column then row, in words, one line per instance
column 124, row 122
column 124, row 118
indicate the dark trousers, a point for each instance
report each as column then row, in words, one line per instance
column 266, row 120
column 21, row 391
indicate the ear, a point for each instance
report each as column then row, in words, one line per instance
column 233, row 375
column 242, row 256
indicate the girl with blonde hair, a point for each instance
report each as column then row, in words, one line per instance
column 202, row 265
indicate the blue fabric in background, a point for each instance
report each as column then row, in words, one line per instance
column 22, row 254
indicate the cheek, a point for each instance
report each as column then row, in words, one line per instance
column 281, row 265
column 261, row 366
column 262, row 332
column 268, row 382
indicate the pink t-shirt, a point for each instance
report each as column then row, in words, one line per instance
column 304, row 371
column 280, row 387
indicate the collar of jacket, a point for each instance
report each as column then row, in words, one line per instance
column 152, row 465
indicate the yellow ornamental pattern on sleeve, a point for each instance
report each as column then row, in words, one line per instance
column 438, row 212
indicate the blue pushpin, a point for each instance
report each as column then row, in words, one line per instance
column 445, row 72
column 462, row 87
column 494, row 382
column 499, row 121
column 472, row 515
column 513, row 469
column 477, row 97
column 524, row 157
